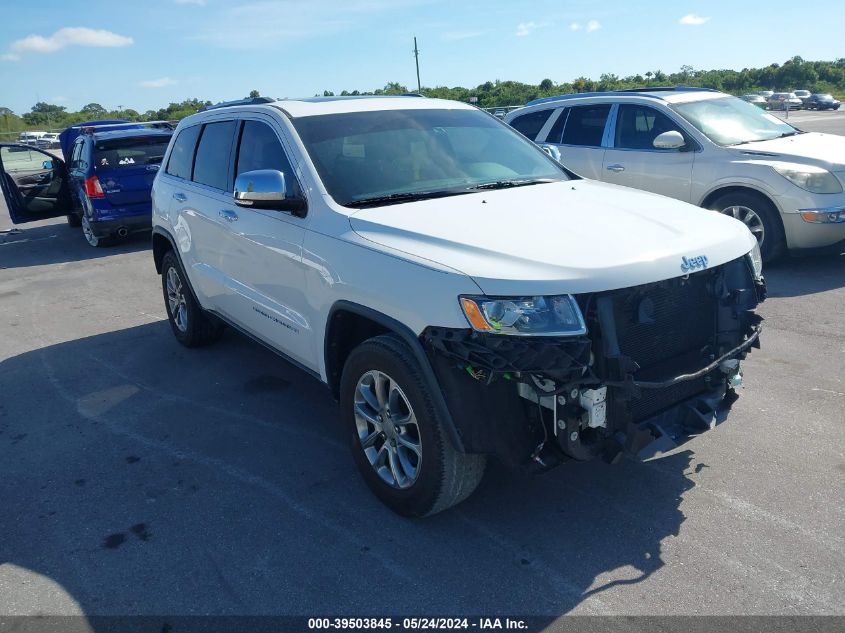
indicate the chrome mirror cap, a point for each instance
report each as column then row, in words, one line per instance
column 261, row 186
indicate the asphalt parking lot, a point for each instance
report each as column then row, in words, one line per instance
column 139, row 477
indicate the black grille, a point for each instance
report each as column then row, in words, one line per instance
column 666, row 328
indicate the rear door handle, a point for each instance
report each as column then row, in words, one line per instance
column 181, row 197
column 615, row 168
column 229, row 216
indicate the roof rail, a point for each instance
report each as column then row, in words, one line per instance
column 237, row 102
column 88, row 128
column 670, row 89
column 643, row 92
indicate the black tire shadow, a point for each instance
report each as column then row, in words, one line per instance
column 145, row 478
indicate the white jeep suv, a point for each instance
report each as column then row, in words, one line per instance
column 459, row 292
column 707, row 148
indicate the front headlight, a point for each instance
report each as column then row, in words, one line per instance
column 810, row 178
column 525, row 316
column 756, row 261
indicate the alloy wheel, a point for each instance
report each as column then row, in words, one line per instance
column 387, row 429
column 176, row 299
column 88, row 232
column 750, row 218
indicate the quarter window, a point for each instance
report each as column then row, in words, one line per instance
column 75, row 155
column 585, row 125
column 181, row 161
column 530, row 124
column 211, row 166
column 637, row 127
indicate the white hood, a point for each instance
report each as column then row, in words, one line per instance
column 578, row 236
column 824, row 150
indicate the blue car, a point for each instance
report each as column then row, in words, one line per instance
column 102, row 185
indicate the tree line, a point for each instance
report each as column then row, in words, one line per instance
column 795, row 73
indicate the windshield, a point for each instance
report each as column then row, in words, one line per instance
column 128, row 152
column 732, row 121
column 398, row 155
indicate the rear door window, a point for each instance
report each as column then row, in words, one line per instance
column 181, row 160
column 530, row 124
column 214, row 151
column 585, row 125
column 120, row 153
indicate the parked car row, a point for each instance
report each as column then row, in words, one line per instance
column 707, row 148
column 796, row 100
column 41, row 140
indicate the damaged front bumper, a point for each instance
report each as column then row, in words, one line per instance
column 660, row 364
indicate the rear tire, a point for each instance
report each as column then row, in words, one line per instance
column 192, row 326
column 403, row 432
column 91, row 238
column 73, row 220
column 759, row 215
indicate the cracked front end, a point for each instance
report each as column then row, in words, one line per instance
column 658, row 363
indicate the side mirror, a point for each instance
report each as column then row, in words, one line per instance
column 669, row 140
column 265, row 189
column 47, row 164
column 551, row 150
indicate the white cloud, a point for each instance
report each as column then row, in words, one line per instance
column 526, row 28
column 199, row 3
column 692, row 19
column 593, row 25
column 162, row 82
column 453, row 36
column 68, row 36
column 575, row 26
column 273, row 24
column 10, row 57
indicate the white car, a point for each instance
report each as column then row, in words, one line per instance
column 707, row 148
column 459, row 292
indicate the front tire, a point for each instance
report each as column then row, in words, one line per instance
column 399, row 443
column 759, row 215
column 73, row 220
column 191, row 325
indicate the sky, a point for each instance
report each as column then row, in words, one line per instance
column 145, row 54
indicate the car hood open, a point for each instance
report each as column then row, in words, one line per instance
column 576, row 236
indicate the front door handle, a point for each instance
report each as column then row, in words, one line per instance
column 229, row 216
column 615, row 168
column 181, row 197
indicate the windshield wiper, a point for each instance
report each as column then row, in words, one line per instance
column 506, row 184
column 785, row 134
column 396, row 198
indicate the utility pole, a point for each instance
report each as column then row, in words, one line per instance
column 417, row 59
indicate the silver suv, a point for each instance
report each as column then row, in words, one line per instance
column 705, row 147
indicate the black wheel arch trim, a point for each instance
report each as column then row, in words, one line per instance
column 157, row 230
column 416, row 347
